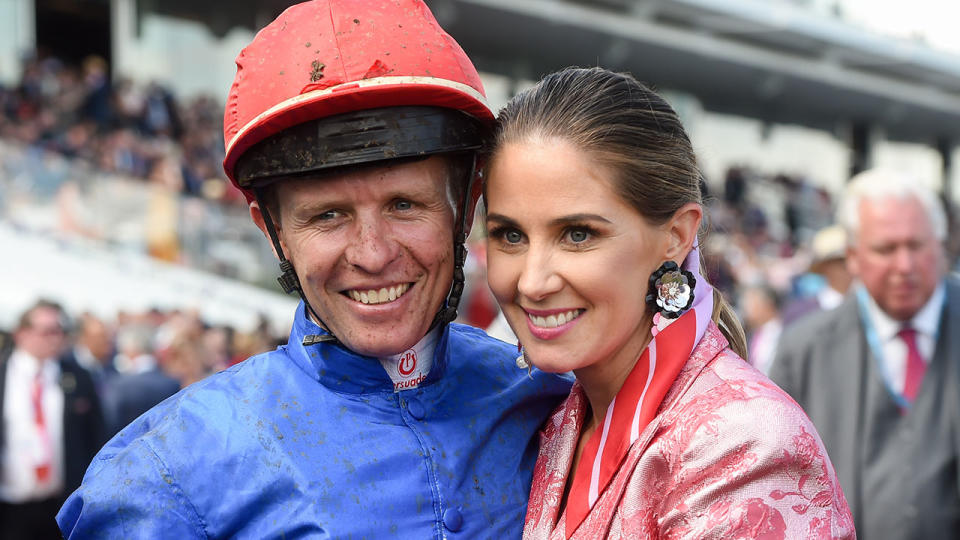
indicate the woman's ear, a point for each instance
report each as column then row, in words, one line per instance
column 682, row 230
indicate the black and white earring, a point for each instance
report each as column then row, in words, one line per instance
column 671, row 290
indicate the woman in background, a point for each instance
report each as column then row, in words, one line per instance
column 594, row 206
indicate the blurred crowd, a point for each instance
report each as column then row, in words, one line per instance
column 117, row 126
column 67, row 385
column 136, row 360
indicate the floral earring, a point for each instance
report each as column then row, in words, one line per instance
column 671, row 294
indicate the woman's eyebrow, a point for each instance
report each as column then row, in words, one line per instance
column 578, row 218
column 501, row 219
column 562, row 220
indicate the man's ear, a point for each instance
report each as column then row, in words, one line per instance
column 258, row 219
column 682, row 231
column 853, row 266
column 476, row 189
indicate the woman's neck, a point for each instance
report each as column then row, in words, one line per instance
column 603, row 379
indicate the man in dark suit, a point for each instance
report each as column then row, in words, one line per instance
column 94, row 350
column 880, row 375
column 143, row 385
column 52, row 425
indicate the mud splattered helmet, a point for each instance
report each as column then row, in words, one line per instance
column 337, row 83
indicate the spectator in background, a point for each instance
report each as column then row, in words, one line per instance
column 761, row 313
column 217, row 348
column 142, row 384
column 880, row 375
column 829, row 263
column 735, row 189
column 52, row 425
column 96, row 105
column 94, row 351
column 184, row 360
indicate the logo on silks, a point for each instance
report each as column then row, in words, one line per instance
column 410, row 368
column 407, row 363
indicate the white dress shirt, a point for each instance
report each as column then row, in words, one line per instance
column 763, row 344
column 24, row 444
column 925, row 322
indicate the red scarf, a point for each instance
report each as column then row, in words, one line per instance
column 637, row 402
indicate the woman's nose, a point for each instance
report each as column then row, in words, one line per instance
column 539, row 277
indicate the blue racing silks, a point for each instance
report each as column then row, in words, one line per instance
column 313, row 442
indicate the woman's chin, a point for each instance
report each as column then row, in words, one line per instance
column 553, row 365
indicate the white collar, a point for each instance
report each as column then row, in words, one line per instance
column 27, row 365
column 924, row 321
column 411, row 367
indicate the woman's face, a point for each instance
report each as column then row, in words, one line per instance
column 568, row 259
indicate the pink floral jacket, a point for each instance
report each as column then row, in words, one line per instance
column 729, row 455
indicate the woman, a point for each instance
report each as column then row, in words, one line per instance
column 593, row 197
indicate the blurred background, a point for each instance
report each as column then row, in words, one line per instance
column 113, row 201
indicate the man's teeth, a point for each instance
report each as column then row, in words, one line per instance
column 385, row 294
column 553, row 321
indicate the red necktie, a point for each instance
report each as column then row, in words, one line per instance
column 42, row 469
column 915, row 364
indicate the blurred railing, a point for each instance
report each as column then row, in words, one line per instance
column 46, row 192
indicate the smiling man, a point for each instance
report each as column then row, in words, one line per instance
column 353, row 128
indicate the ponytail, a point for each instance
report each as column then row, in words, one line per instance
column 729, row 324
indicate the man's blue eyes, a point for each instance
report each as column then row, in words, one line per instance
column 333, row 214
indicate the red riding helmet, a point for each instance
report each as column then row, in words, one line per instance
column 319, row 61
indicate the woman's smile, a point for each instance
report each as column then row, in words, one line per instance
column 551, row 324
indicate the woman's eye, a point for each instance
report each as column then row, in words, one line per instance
column 513, row 237
column 578, row 236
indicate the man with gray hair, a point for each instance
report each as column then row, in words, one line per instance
column 880, row 375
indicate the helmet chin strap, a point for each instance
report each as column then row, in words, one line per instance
column 447, row 313
column 288, row 276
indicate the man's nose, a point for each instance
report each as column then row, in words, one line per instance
column 374, row 246
column 539, row 278
column 904, row 259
